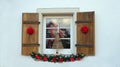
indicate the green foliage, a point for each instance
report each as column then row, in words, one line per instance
column 58, row 58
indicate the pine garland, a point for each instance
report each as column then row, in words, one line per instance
column 57, row 58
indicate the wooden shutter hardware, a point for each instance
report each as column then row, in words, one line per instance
column 31, row 44
column 83, row 21
column 31, row 22
column 86, row 45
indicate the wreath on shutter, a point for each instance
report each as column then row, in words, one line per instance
column 30, row 30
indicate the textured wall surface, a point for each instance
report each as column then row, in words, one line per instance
column 106, row 28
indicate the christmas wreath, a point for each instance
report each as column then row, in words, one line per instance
column 30, row 30
column 57, row 58
column 84, row 29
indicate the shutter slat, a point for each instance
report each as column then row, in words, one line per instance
column 85, row 40
column 30, row 42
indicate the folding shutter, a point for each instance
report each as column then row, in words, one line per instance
column 30, row 29
column 85, row 39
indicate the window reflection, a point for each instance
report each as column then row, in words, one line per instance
column 61, row 26
column 65, row 43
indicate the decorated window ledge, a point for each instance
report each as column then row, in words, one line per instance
column 56, row 58
column 58, row 35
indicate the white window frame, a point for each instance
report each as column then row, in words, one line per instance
column 45, row 11
column 53, row 51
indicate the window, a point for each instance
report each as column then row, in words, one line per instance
column 60, row 26
column 57, row 22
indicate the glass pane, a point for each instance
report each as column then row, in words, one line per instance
column 51, row 23
column 51, row 33
column 64, row 33
column 63, row 44
column 62, row 26
column 49, row 43
column 66, row 43
column 65, row 22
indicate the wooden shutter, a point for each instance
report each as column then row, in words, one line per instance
column 85, row 41
column 30, row 42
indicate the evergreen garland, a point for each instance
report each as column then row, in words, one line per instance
column 57, row 58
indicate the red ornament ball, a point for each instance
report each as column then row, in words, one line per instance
column 37, row 57
column 45, row 58
column 30, row 30
column 54, row 59
column 72, row 59
column 78, row 58
column 61, row 59
column 84, row 29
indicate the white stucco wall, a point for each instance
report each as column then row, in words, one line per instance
column 107, row 32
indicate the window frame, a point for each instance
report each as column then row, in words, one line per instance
column 52, row 12
column 53, row 51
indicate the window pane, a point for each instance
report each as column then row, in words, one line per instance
column 51, row 23
column 65, row 22
column 53, row 44
column 61, row 26
column 49, row 43
column 51, row 33
column 66, row 43
column 64, row 33
column 63, row 44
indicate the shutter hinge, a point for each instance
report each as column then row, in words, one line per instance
column 31, row 44
column 82, row 21
column 84, row 45
column 31, row 22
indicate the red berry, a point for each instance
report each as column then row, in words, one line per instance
column 54, row 59
column 44, row 58
column 78, row 58
column 61, row 60
column 72, row 59
column 38, row 57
